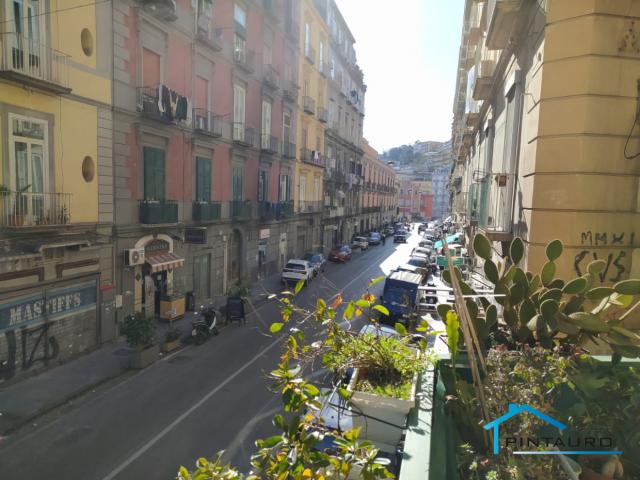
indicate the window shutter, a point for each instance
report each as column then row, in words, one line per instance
column 154, row 174
column 203, row 179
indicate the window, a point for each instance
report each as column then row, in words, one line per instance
column 202, row 93
column 267, row 56
column 316, row 188
column 266, row 124
column 29, row 161
column 154, row 173
column 151, row 68
column 321, row 57
column 203, row 179
column 26, row 16
column 239, row 46
column 263, row 186
column 240, row 15
column 307, row 38
column 303, row 191
column 239, row 95
column 205, row 16
column 284, row 189
column 237, row 184
column 286, row 125
column 201, row 276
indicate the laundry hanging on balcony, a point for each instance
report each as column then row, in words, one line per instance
column 172, row 105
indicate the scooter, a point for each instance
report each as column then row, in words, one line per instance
column 206, row 324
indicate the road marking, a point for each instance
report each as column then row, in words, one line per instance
column 184, row 415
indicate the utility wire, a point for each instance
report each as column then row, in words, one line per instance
column 26, row 17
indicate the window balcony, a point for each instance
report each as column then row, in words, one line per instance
column 289, row 150
column 312, row 157
column 33, row 64
column 293, row 30
column 305, row 206
column 243, row 135
column 266, row 211
column 484, row 80
column 158, row 212
column 501, row 21
column 290, row 91
column 204, row 212
column 240, row 209
column 323, row 114
column 244, row 59
column 163, row 9
column 269, row 143
column 207, row 123
column 148, row 103
column 212, row 37
column 495, row 205
column 32, row 209
column 309, row 105
column 323, row 68
column 310, row 53
column 270, row 77
column 284, row 209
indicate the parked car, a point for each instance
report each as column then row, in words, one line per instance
column 388, row 232
column 421, row 262
column 317, row 261
column 340, row 253
column 359, row 242
column 400, row 237
column 296, row 270
column 426, row 244
column 374, row 238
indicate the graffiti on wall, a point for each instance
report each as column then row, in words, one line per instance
column 37, row 345
column 614, row 257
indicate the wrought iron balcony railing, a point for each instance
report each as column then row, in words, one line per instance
column 269, row 143
column 157, row 212
column 243, row 135
column 32, row 209
column 240, row 209
column 207, row 123
column 204, row 212
column 289, row 150
column 309, row 105
column 245, row 59
column 270, row 76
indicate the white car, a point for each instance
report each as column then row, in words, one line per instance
column 360, row 242
column 296, row 270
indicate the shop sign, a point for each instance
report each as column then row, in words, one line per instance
column 195, row 235
column 264, row 233
column 156, row 247
column 52, row 304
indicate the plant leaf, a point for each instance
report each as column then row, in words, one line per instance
column 554, row 250
column 491, row 315
column 442, row 309
column 548, row 309
column 376, row 280
column 628, row 287
column 596, row 266
column 348, row 312
column 491, row 271
column 482, row 246
column 598, row 293
column 381, row 309
column 516, row 250
column 575, row 286
column 299, row 286
column 589, row 322
column 400, row 328
column 535, row 323
column 453, row 332
column 547, row 273
column 276, row 327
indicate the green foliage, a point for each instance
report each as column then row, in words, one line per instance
column 516, row 250
column 138, row 328
column 545, row 310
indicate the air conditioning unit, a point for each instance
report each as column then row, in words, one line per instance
column 134, row 256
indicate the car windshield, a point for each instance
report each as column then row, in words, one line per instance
column 312, row 257
column 295, row 266
column 418, row 262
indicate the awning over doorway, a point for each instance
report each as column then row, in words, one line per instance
column 165, row 261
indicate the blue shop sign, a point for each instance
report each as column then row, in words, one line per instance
column 51, row 304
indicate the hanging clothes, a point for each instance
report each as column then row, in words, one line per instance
column 174, row 102
column 181, row 108
column 166, row 103
column 160, row 104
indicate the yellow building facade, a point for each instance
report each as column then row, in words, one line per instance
column 56, row 204
column 312, row 109
column 546, row 127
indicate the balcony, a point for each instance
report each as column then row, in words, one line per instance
column 34, row 64
column 270, row 77
column 148, row 103
column 370, row 209
column 310, row 53
column 323, row 68
column 284, row 209
column 271, row 10
column 473, row 26
column 312, row 157
column 484, row 80
column 266, row 210
column 212, row 37
column 293, row 30
column 156, row 212
column 288, row 150
column 243, row 135
column 501, row 22
column 290, row 91
column 244, row 59
column 163, row 9
column 309, row 105
column 309, row 207
column 269, row 143
column 323, row 114
column 207, row 123
column 32, row 209
column 204, row 212
column 240, row 209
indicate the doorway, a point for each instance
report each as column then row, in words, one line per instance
column 234, row 265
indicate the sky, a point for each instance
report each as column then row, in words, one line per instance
column 408, row 50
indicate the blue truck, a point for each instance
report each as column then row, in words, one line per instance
column 400, row 297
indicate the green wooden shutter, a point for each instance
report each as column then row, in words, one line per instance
column 203, row 179
column 154, row 173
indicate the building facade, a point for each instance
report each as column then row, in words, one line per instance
column 541, row 130
column 56, row 209
column 378, row 205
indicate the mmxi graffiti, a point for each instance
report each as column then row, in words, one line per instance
column 620, row 243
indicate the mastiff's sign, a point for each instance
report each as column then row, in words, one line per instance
column 49, row 304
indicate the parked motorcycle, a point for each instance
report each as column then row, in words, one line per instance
column 206, row 325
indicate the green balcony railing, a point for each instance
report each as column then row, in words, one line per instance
column 206, row 211
column 154, row 212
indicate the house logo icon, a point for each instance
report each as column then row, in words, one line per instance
column 552, row 444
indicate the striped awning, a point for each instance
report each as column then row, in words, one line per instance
column 165, row 261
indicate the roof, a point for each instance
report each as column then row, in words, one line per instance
column 408, row 277
column 300, row 262
column 515, row 409
column 165, row 261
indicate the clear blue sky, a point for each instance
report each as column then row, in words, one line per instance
column 408, row 50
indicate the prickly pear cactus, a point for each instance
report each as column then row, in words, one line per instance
column 540, row 308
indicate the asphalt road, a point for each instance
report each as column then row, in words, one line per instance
column 190, row 404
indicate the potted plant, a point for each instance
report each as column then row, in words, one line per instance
column 171, row 339
column 138, row 328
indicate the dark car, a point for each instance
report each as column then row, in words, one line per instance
column 317, row 261
column 374, row 238
column 340, row 253
column 400, row 237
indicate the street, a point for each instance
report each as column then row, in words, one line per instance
column 190, row 404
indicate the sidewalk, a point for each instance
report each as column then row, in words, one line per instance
column 24, row 401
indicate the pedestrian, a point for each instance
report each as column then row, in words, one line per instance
column 383, row 239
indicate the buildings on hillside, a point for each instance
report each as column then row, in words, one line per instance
column 541, row 134
column 162, row 152
column 56, row 203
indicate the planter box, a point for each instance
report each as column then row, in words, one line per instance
column 144, row 358
column 172, row 307
column 391, row 411
column 171, row 346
